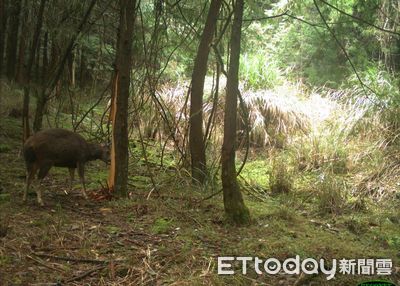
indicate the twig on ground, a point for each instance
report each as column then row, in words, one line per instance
column 85, row 274
column 211, row 196
column 70, row 258
column 44, row 264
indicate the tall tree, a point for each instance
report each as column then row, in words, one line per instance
column 47, row 90
column 24, row 19
column 12, row 38
column 3, row 24
column 235, row 208
column 118, row 175
column 196, row 140
column 27, row 77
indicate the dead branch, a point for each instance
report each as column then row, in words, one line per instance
column 70, row 258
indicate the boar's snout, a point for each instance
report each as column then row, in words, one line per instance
column 105, row 154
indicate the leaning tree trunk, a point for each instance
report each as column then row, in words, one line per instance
column 118, row 175
column 235, row 208
column 196, row 140
column 12, row 39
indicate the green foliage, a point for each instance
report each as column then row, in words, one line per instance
column 356, row 225
column 4, row 148
column 161, row 225
column 259, row 71
column 376, row 77
column 256, row 171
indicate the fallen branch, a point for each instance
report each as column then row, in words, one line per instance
column 70, row 258
column 210, row 196
column 85, row 274
column 44, row 264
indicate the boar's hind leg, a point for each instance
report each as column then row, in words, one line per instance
column 71, row 177
column 44, row 169
column 81, row 171
column 30, row 175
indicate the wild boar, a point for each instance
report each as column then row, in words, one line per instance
column 59, row 148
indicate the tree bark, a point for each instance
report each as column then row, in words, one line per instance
column 235, row 208
column 3, row 25
column 45, row 58
column 118, row 175
column 20, row 73
column 196, row 140
column 27, row 77
column 12, row 39
column 71, row 68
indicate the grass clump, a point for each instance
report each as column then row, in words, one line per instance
column 356, row 226
column 331, row 194
column 281, row 177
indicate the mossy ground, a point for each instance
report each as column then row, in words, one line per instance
column 170, row 236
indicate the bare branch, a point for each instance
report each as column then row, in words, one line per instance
column 359, row 19
column 363, row 85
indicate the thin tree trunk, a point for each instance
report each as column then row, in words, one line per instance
column 36, row 64
column 118, row 176
column 22, row 43
column 196, row 140
column 33, row 49
column 45, row 58
column 3, row 25
column 71, row 68
column 12, row 40
column 83, row 70
column 52, row 84
column 235, row 208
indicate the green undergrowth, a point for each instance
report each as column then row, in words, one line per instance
column 172, row 234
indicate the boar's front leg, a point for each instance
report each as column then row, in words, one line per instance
column 81, row 172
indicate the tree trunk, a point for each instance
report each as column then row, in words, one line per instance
column 235, row 208
column 118, row 176
column 36, row 64
column 45, row 58
column 52, row 83
column 83, row 71
column 33, row 49
column 39, row 111
column 12, row 40
column 71, row 68
column 3, row 25
column 22, row 43
column 196, row 140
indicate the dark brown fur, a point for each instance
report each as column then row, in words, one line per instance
column 59, row 148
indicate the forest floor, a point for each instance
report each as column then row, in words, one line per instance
column 170, row 236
